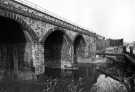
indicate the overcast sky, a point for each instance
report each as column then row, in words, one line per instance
column 110, row 18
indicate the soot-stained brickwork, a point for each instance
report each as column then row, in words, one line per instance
column 38, row 26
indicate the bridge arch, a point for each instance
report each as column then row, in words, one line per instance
column 79, row 47
column 15, row 46
column 30, row 34
column 56, row 43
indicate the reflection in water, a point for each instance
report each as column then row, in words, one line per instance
column 86, row 79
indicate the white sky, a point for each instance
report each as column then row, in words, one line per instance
column 110, row 18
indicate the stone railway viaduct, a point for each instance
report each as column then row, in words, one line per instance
column 33, row 39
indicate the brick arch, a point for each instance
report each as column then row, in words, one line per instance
column 79, row 43
column 30, row 34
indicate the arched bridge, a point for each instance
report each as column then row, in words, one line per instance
column 31, row 39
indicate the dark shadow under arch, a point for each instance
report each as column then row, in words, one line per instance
column 12, row 46
column 11, row 31
column 53, row 52
column 53, row 46
column 31, row 35
column 79, row 44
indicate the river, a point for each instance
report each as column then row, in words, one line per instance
column 85, row 79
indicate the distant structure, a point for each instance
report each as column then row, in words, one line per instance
column 115, row 42
column 102, row 42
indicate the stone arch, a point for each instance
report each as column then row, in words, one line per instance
column 30, row 34
column 55, row 29
column 79, row 47
column 56, row 46
column 13, row 42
